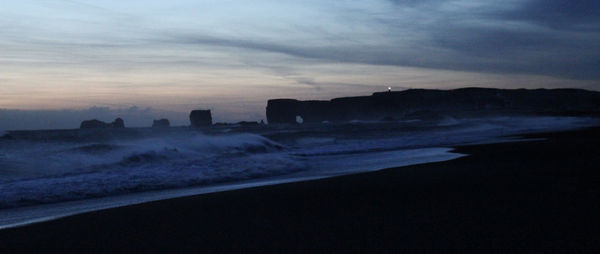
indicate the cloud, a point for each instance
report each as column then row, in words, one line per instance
column 551, row 38
column 495, row 50
column 556, row 38
column 559, row 14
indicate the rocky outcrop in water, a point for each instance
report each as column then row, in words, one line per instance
column 161, row 123
column 199, row 118
column 432, row 104
column 97, row 124
column 118, row 123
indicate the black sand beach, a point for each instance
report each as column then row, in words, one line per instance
column 536, row 196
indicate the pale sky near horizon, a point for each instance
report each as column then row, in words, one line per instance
column 231, row 56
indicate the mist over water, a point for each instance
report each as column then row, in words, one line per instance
column 82, row 169
column 52, row 166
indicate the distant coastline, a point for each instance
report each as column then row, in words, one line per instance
column 411, row 104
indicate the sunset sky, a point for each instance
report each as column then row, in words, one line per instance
column 168, row 57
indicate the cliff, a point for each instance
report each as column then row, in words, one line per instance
column 424, row 103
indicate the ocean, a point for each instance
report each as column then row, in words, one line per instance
column 48, row 174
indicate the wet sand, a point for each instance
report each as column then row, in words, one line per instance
column 535, row 196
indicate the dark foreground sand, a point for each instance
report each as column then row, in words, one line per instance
column 541, row 196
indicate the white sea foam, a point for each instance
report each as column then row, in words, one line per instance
column 459, row 132
column 49, row 172
column 39, row 170
column 330, row 165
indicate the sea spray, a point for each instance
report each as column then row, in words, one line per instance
column 52, row 166
column 66, row 171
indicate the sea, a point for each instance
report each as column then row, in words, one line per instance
column 49, row 174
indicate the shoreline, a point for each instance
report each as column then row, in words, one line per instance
column 539, row 195
column 28, row 215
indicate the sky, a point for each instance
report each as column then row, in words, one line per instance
column 70, row 58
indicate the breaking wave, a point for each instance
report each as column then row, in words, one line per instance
column 38, row 172
column 52, row 166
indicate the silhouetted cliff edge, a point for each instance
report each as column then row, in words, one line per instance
column 426, row 104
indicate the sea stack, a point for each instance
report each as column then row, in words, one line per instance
column 199, row 118
column 118, row 123
column 161, row 123
column 97, row 124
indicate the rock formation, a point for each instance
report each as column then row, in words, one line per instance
column 92, row 124
column 161, row 123
column 431, row 104
column 118, row 123
column 95, row 124
column 200, row 118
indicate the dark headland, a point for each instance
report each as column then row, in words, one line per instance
column 540, row 196
column 432, row 104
